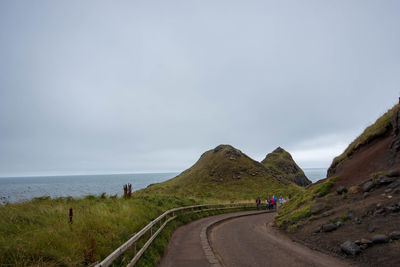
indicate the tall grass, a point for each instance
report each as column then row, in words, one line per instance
column 38, row 232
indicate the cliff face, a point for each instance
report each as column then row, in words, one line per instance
column 359, row 200
column 375, row 150
column 281, row 163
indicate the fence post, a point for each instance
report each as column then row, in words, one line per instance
column 133, row 249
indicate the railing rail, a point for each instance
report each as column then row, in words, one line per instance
column 131, row 243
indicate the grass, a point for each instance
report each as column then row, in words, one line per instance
column 38, row 232
column 282, row 163
column 379, row 128
column 298, row 207
column 217, row 176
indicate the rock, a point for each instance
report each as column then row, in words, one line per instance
column 341, row 189
column 386, row 180
column 339, row 224
column 357, row 242
column 327, row 213
column 380, row 239
column 371, row 228
column 350, row 248
column 388, row 190
column 329, row 227
column 316, row 208
column 396, row 192
column 394, row 235
column 365, row 195
column 357, row 220
column 368, row 186
column 392, row 208
column 363, row 246
column 367, row 242
column 379, row 211
column 350, row 214
column 394, row 173
column 317, row 230
column 393, row 185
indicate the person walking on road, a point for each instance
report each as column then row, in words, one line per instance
column 272, row 203
column 258, row 202
column 266, row 204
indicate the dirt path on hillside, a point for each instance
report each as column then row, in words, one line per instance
column 238, row 241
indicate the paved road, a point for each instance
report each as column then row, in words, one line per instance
column 238, row 241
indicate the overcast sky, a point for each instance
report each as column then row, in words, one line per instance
column 148, row 86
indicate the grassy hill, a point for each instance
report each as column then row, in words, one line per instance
column 281, row 163
column 224, row 173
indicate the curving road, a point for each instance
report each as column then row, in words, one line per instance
column 229, row 240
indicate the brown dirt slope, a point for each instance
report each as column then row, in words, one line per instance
column 359, row 200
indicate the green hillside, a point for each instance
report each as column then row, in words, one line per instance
column 224, row 173
column 281, row 163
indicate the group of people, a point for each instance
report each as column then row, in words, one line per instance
column 270, row 202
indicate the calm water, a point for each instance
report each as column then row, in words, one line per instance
column 315, row 174
column 25, row 188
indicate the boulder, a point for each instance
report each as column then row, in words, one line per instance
column 317, row 230
column 385, row 180
column 368, row 186
column 350, row 214
column 388, row 190
column 350, row 248
column 394, row 235
column 327, row 213
column 317, row 208
column 329, row 227
column 394, row 173
column 367, row 242
column 341, row 189
column 393, row 185
column 371, row 228
column 380, row 239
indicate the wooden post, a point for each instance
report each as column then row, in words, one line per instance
column 133, row 249
column 71, row 214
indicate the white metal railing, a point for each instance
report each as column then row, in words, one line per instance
column 167, row 216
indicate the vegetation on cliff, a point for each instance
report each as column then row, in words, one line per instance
column 224, row 173
column 381, row 126
column 281, row 163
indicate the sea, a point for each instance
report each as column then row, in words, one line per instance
column 20, row 189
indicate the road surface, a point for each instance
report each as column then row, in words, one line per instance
column 229, row 240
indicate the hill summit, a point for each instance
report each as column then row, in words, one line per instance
column 225, row 173
column 281, row 163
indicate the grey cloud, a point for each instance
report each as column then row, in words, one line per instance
column 150, row 85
